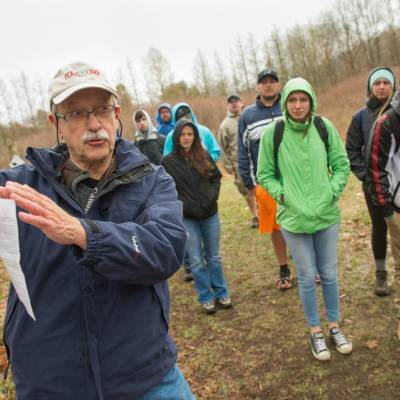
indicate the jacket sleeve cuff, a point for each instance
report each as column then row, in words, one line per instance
column 89, row 256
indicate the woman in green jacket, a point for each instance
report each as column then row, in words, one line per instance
column 306, row 182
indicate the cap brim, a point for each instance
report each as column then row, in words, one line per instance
column 73, row 89
column 268, row 75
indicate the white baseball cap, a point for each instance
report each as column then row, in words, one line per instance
column 74, row 77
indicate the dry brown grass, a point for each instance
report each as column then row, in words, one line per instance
column 338, row 103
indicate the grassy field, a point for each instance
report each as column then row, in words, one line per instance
column 259, row 349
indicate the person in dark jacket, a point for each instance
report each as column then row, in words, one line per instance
column 197, row 180
column 147, row 139
column 381, row 84
column 383, row 182
column 164, row 119
column 100, row 231
column 252, row 122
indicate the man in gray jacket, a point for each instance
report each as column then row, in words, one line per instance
column 228, row 140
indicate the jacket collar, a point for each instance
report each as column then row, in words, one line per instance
column 260, row 104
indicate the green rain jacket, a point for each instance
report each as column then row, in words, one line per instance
column 310, row 191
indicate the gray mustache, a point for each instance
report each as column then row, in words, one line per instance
column 99, row 135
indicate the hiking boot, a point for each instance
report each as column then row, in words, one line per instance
column 225, row 302
column 318, row 347
column 381, row 285
column 254, row 223
column 188, row 275
column 343, row 345
column 208, row 308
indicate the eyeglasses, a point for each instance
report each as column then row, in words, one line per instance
column 80, row 117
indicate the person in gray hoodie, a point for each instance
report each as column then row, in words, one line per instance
column 147, row 139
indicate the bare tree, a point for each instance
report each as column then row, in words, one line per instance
column 267, row 55
column 235, row 76
column 19, row 106
column 221, row 79
column 158, row 72
column 243, row 63
column 7, row 103
column 28, row 97
column 133, row 82
column 253, row 56
column 345, row 35
column 202, row 74
column 279, row 52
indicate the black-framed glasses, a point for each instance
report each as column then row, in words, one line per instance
column 81, row 116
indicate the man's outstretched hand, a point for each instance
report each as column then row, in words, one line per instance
column 45, row 214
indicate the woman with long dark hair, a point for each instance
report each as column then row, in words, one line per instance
column 197, row 180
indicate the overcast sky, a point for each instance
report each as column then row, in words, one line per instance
column 39, row 36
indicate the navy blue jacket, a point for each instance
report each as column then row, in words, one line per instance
column 252, row 123
column 102, row 314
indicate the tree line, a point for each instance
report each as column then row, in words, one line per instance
column 350, row 37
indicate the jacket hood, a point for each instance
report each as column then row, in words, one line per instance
column 376, row 69
column 175, row 109
column 150, row 134
column 158, row 118
column 177, row 133
column 395, row 103
column 298, row 85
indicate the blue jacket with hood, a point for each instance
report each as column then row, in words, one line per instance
column 102, row 314
column 164, row 127
column 206, row 135
column 252, row 123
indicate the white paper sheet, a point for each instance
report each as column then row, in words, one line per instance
column 9, row 251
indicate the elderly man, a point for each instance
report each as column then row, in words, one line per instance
column 228, row 139
column 100, row 231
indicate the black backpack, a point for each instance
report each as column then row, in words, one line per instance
column 278, row 135
column 394, row 122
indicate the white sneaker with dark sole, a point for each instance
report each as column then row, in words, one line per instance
column 208, row 308
column 225, row 302
column 343, row 345
column 318, row 347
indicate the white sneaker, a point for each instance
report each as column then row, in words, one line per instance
column 318, row 347
column 343, row 345
column 209, row 308
column 225, row 302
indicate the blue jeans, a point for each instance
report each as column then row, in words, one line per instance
column 316, row 252
column 172, row 387
column 204, row 259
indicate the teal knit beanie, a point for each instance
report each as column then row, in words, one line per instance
column 381, row 73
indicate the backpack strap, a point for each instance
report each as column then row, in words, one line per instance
column 278, row 135
column 360, row 118
column 323, row 132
